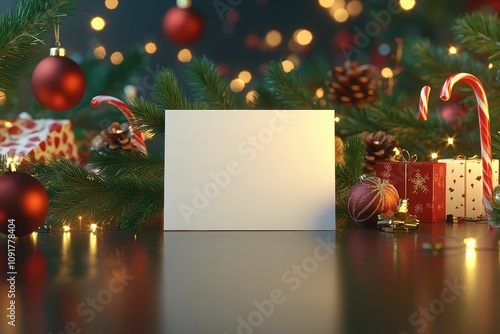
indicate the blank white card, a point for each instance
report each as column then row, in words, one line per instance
column 249, row 170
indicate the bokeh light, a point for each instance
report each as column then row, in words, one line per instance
column 287, row 65
column 340, row 15
column 273, row 38
column 251, row 96
column 111, row 4
column 184, row 56
column 97, row 23
column 326, row 3
column 100, row 52
column 387, row 73
column 150, row 47
column 116, row 58
column 237, row 85
column 407, row 4
column 354, row 8
column 245, row 76
column 303, row 36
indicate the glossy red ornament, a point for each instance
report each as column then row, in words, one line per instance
column 183, row 26
column 370, row 197
column 23, row 199
column 58, row 83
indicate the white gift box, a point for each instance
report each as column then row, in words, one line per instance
column 249, row 170
column 464, row 186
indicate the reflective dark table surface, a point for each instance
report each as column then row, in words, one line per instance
column 349, row 281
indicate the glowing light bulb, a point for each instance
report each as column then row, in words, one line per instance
column 66, row 228
column 470, row 243
column 451, row 141
column 452, row 50
column 93, row 227
column 434, row 155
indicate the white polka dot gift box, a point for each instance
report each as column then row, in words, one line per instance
column 464, row 186
column 42, row 138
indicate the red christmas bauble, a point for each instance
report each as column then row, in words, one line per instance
column 58, row 83
column 183, row 25
column 24, row 203
column 370, row 197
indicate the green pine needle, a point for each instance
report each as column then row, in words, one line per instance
column 347, row 174
column 109, row 199
column 435, row 65
column 480, row 33
column 125, row 163
column 149, row 118
column 288, row 87
column 208, row 86
column 168, row 92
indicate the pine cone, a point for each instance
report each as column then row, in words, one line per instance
column 339, row 150
column 353, row 85
column 379, row 147
column 117, row 136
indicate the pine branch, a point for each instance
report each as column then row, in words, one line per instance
column 435, row 65
column 208, row 86
column 124, row 163
column 480, row 33
column 74, row 192
column 22, row 28
column 347, row 174
column 149, row 118
column 168, row 92
column 288, row 88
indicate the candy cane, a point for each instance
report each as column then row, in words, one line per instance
column 424, row 100
column 98, row 100
column 484, row 132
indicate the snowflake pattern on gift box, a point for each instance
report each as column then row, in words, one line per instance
column 418, row 182
column 419, row 208
column 439, row 176
column 386, row 174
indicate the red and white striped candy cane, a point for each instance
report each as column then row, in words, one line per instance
column 484, row 132
column 98, row 100
column 424, row 100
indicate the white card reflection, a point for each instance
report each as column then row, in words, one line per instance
column 238, row 282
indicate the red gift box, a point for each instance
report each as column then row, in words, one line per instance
column 423, row 183
column 43, row 139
